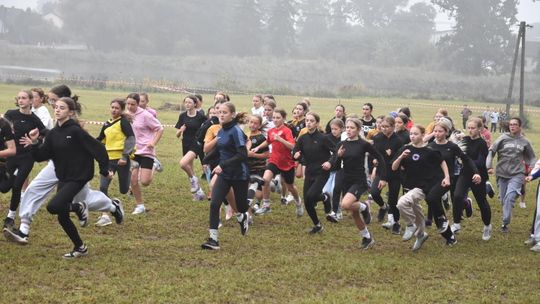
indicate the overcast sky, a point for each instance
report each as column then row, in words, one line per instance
column 527, row 11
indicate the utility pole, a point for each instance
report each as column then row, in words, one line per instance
column 521, row 38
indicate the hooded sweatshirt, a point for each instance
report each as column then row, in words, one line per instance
column 512, row 152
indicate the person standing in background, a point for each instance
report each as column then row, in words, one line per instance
column 465, row 114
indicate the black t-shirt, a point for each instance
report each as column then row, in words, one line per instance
column 354, row 157
column 404, row 136
column 451, row 153
column 368, row 125
column 192, row 125
column 22, row 124
column 6, row 134
column 384, row 144
column 257, row 164
column 422, row 168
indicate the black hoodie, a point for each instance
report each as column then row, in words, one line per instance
column 72, row 151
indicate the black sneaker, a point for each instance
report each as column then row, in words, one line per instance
column 382, row 213
column 505, row 229
column 451, row 241
column 489, row 190
column 81, row 210
column 244, row 223
column 16, row 236
column 284, row 201
column 367, row 243
column 468, row 207
column 396, row 228
column 210, row 244
column 77, row 253
column 442, row 224
column 316, row 229
column 366, row 214
column 332, row 218
column 9, row 223
column 118, row 212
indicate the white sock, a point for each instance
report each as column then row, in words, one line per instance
column 24, row 228
column 362, row 206
column 239, row 217
column 11, row 214
column 391, row 218
column 214, row 234
column 365, row 233
column 266, row 202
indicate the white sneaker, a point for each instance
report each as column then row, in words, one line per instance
column 339, row 215
column 194, row 181
column 522, row 205
column 388, row 225
column 289, row 198
column 103, row 220
column 456, row 228
column 139, row 210
column 536, row 248
column 409, row 232
column 487, row 233
column 299, row 210
column 419, row 241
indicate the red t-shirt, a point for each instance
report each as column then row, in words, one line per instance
column 281, row 156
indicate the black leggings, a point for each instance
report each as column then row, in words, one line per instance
column 220, row 190
column 453, row 180
column 336, row 195
column 433, row 199
column 393, row 193
column 463, row 184
column 124, row 177
column 23, row 164
column 60, row 204
column 313, row 186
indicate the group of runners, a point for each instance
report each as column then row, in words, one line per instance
column 351, row 163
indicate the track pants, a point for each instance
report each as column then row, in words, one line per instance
column 220, row 190
column 313, row 186
column 60, row 205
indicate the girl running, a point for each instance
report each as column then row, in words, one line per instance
column 401, row 128
column 38, row 107
column 20, row 165
column 232, row 172
column 351, row 154
column 388, row 144
column 316, row 150
column 280, row 161
column 339, row 113
column 425, row 177
column 475, row 148
column 119, row 140
column 188, row 124
column 256, row 160
column 73, row 151
column 148, row 131
column 333, row 185
column 513, row 150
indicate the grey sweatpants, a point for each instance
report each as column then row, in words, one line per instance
column 45, row 182
column 509, row 191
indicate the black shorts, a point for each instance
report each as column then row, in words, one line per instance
column 192, row 146
column 144, row 162
column 354, row 188
column 288, row 176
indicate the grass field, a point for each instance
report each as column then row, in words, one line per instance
column 156, row 258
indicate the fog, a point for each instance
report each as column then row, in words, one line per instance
column 426, row 49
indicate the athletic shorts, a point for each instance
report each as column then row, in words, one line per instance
column 144, row 162
column 288, row 176
column 354, row 188
column 192, row 146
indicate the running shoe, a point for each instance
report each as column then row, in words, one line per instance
column 157, row 165
column 505, row 229
column 331, row 217
column 522, row 205
column 81, row 210
column 486, row 234
column 396, row 228
column 299, row 209
column 77, row 253
column 103, row 220
column 530, row 241
column 139, row 209
column 244, row 223
column 489, row 190
column 118, row 212
column 419, row 241
column 468, row 207
column 409, row 232
column 451, row 241
column 210, row 244
column 382, row 213
column 194, row 181
column 367, row 243
column 316, row 229
column 456, row 228
column 366, row 214
column 16, row 236
column 263, row 210
column 9, row 223
column 536, row 248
